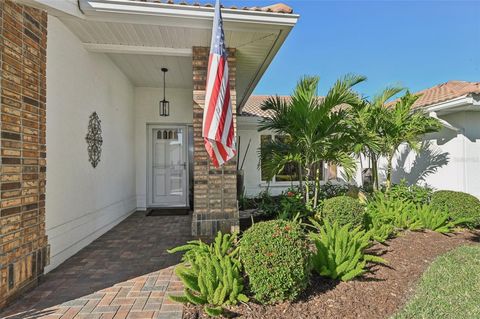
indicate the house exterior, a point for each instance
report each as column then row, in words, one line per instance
column 449, row 159
column 83, row 144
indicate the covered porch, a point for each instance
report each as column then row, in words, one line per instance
column 114, row 52
column 104, row 58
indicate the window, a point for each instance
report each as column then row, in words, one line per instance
column 290, row 171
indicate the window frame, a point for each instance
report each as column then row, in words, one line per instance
column 274, row 182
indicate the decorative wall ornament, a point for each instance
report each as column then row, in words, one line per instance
column 94, row 139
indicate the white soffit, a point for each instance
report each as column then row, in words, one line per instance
column 141, row 37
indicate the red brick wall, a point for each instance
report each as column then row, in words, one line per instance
column 23, row 243
column 215, row 190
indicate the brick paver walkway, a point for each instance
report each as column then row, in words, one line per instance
column 126, row 273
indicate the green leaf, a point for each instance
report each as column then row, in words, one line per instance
column 213, row 311
column 180, row 299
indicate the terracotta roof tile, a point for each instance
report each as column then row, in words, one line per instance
column 253, row 107
column 275, row 8
column 446, row 91
column 439, row 93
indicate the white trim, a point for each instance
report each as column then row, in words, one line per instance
column 453, row 103
column 185, row 11
column 132, row 49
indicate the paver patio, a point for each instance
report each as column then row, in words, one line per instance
column 126, row 273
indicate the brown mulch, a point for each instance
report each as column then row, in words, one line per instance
column 378, row 294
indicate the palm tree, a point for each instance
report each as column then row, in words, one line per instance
column 316, row 128
column 367, row 119
column 403, row 125
column 380, row 128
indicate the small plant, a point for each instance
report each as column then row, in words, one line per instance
column 211, row 274
column 340, row 251
column 378, row 229
column 245, row 203
column 276, row 258
column 344, row 210
column 267, row 204
column 292, row 205
column 382, row 210
column 435, row 220
column 329, row 190
column 462, row 208
column 418, row 195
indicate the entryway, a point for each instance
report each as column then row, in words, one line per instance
column 167, row 167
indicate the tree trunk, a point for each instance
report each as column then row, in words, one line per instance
column 375, row 172
column 307, row 186
column 317, row 186
column 300, row 181
column 389, row 172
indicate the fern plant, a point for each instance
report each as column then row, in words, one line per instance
column 378, row 229
column 435, row 219
column 211, row 274
column 400, row 214
column 340, row 251
column 224, row 244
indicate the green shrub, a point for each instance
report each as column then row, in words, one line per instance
column 267, row 204
column 291, row 206
column 434, row 219
column 418, row 195
column 385, row 215
column 384, row 210
column 344, row 210
column 462, row 208
column 340, row 251
column 276, row 258
column 378, row 229
column 330, row 190
column 211, row 274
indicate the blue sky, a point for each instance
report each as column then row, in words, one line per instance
column 416, row 44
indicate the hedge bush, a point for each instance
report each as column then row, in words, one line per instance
column 276, row 259
column 343, row 210
column 459, row 206
column 419, row 195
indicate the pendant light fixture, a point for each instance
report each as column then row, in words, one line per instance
column 164, row 105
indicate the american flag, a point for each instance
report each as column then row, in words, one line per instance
column 218, row 130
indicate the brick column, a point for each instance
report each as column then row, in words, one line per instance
column 215, row 190
column 23, row 244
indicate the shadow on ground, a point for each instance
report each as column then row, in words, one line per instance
column 132, row 257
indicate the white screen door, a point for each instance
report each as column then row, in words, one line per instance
column 169, row 167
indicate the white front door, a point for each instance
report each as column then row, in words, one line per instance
column 168, row 167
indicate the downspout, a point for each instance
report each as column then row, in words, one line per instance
column 460, row 130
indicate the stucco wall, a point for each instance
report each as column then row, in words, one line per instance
column 472, row 158
column 248, row 131
column 84, row 202
column 448, row 159
column 146, row 112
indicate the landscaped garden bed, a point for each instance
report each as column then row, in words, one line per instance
column 378, row 294
column 330, row 250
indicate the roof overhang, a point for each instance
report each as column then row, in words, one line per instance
column 186, row 15
column 129, row 33
column 469, row 102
